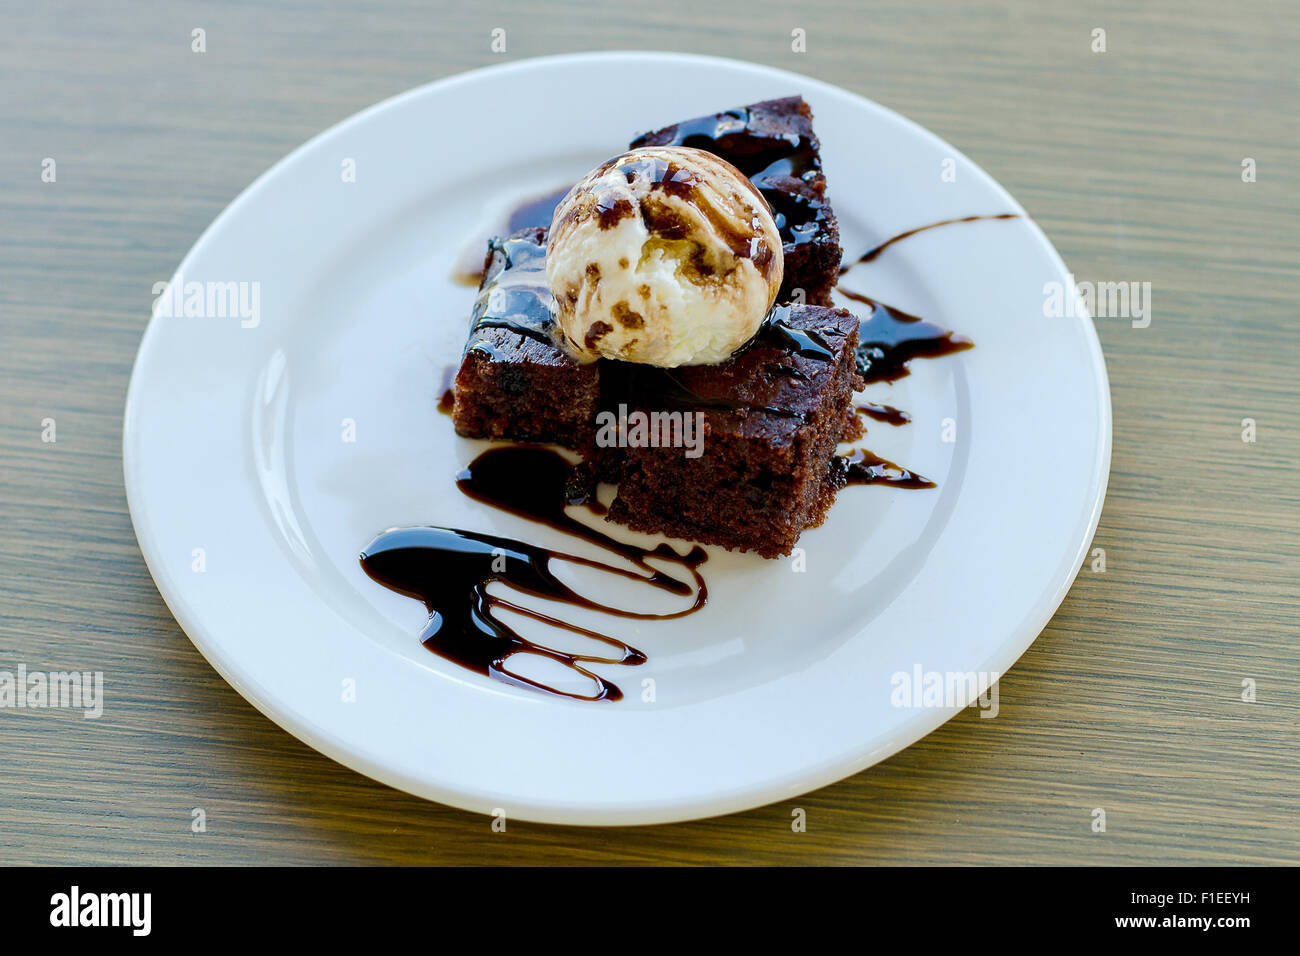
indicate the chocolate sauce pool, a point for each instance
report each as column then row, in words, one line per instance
column 889, row 338
column 449, row 570
column 882, row 413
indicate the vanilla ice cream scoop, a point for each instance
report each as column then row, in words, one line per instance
column 665, row 256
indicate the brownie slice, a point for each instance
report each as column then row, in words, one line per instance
column 774, row 145
column 515, row 380
column 772, row 414
column 772, row 417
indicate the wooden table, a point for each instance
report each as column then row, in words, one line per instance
column 1131, row 160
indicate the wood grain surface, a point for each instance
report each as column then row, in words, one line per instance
column 1131, row 160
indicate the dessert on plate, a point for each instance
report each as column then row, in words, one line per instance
column 673, row 325
column 669, row 319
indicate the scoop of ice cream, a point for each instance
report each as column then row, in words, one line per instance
column 665, row 256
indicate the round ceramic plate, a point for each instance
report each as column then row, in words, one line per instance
column 283, row 410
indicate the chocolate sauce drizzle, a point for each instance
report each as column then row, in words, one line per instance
column 862, row 467
column 889, row 338
column 875, row 252
column 450, row 570
column 536, row 483
column 808, row 343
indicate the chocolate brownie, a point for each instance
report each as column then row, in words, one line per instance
column 773, row 143
column 772, row 414
column 772, row 417
column 515, row 380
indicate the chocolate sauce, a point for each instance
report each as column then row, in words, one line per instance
column 537, row 483
column 535, row 212
column 777, row 329
column 449, row 570
column 447, row 401
column 889, row 338
column 468, row 271
column 517, row 296
column 873, row 253
column 531, row 212
column 882, row 413
column 863, row 467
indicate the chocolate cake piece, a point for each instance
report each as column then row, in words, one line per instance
column 515, row 380
column 774, row 145
column 772, row 414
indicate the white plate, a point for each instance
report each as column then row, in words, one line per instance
column 234, row 444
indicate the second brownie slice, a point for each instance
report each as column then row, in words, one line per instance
column 773, row 143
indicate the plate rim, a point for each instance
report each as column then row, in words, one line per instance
column 740, row 798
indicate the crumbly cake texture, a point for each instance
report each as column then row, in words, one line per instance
column 773, row 143
column 773, row 413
